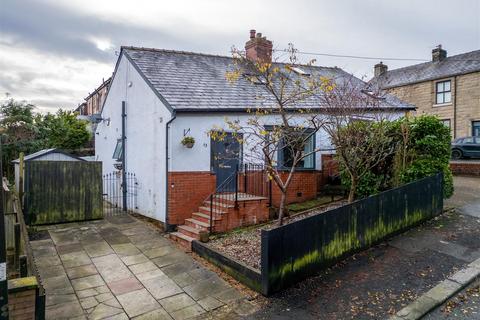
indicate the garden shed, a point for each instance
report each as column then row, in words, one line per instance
column 59, row 187
column 44, row 155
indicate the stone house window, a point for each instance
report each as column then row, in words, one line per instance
column 446, row 122
column 443, row 91
column 476, row 128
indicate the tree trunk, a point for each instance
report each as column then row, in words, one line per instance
column 281, row 208
column 353, row 189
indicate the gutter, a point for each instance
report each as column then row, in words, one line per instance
column 168, row 227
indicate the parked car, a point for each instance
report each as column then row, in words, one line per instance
column 466, row 147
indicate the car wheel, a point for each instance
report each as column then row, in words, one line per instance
column 456, row 154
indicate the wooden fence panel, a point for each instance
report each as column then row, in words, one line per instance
column 62, row 191
column 297, row 250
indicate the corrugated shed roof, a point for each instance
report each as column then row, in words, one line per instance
column 197, row 82
column 450, row 66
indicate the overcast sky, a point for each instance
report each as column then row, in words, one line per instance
column 53, row 53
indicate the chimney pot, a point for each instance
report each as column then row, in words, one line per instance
column 258, row 48
column 380, row 69
column 438, row 54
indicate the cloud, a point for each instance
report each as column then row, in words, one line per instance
column 53, row 53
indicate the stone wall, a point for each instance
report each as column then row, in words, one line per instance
column 465, row 97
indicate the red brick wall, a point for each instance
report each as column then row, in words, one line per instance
column 187, row 190
column 21, row 304
column 465, row 168
column 248, row 213
column 329, row 168
column 303, row 187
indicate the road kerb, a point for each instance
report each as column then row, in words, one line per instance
column 440, row 293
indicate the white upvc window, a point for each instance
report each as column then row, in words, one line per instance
column 443, row 92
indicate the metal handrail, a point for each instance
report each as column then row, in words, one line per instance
column 255, row 184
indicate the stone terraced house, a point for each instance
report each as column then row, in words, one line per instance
column 448, row 87
column 172, row 94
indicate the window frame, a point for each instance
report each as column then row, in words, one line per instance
column 449, row 123
column 475, row 124
column 281, row 159
column 443, row 92
column 119, row 149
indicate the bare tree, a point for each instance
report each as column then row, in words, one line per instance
column 281, row 128
column 357, row 127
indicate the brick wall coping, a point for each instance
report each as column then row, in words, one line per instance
column 22, row 284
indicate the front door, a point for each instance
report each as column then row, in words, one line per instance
column 225, row 160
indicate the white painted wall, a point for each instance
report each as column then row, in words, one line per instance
column 198, row 124
column 145, row 132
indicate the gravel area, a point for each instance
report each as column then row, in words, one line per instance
column 244, row 244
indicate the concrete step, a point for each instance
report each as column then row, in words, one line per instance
column 204, row 217
column 189, row 231
column 217, row 204
column 216, row 211
column 194, row 223
column 182, row 239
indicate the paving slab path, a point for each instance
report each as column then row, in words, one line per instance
column 122, row 268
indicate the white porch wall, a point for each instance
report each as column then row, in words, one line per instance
column 145, row 132
column 198, row 124
column 198, row 158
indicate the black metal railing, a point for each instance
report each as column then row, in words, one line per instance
column 113, row 196
column 248, row 182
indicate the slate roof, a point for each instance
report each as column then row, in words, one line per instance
column 455, row 65
column 189, row 81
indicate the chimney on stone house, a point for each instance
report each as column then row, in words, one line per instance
column 258, row 48
column 438, row 54
column 380, row 69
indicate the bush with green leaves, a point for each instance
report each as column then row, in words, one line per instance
column 23, row 130
column 421, row 148
column 429, row 149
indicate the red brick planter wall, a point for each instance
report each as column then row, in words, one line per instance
column 465, row 168
column 187, row 190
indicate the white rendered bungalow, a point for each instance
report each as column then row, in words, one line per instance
column 172, row 94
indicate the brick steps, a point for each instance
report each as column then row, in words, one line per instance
column 200, row 221
column 194, row 223
column 206, row 210
column 182, row 239
column 203, row 217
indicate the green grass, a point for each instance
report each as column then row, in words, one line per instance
column 310, row 204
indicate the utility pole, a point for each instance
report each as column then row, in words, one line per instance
column 124, row 173
column 3, row 251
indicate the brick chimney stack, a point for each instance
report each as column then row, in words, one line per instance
column 380, row 69
column 258, row 48
column 438, row 54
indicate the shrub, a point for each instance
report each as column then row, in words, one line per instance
column 422, row 148
column 429, row 148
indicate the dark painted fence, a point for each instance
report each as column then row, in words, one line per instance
column 295, row 251
column 62, row 191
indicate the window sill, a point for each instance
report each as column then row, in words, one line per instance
column 442, row 104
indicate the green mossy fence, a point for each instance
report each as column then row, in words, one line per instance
column 62, row 191
column 295, row 251
column 300, row 249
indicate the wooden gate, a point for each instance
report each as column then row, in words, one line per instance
column 62, row 191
